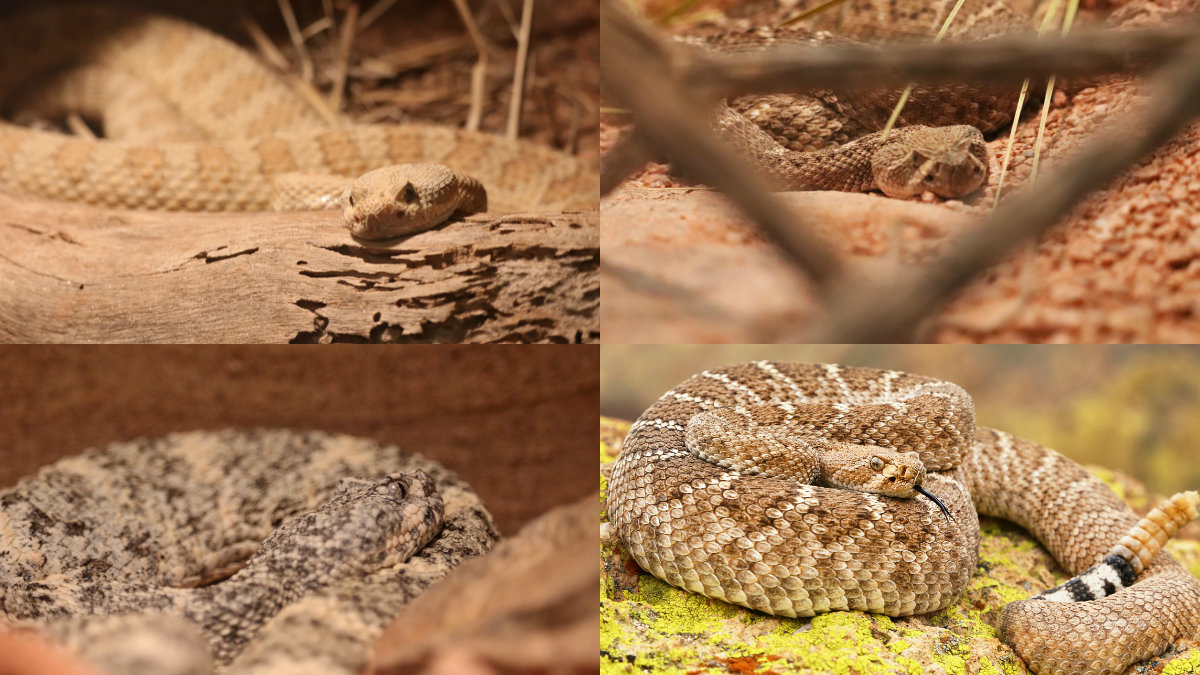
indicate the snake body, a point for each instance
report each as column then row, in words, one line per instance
column 746, row 531
column 277, row 548
column 193, row 122
column 831, row 140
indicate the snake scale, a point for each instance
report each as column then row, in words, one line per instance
column 253, row 551
column 193, row 122
column 746, row 526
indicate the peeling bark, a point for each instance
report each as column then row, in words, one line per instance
column 71, row 273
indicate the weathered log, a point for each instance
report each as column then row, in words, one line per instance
column 71, row 273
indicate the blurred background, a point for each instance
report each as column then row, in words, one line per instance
column 1132, row 408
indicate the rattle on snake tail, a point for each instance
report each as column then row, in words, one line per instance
column 713, row 492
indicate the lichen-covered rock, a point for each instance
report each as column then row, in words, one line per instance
column 649, row 626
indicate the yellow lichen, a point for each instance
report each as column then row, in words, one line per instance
column 1187, row 662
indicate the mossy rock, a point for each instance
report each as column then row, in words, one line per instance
column 649, row 626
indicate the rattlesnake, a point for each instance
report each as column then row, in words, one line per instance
column 829, row 140
column 318, row 528
column 772, row 543
column 193, row 122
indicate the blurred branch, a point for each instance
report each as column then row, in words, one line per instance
column 635, row 73
column 667, row 88
column 626, row 156
column 1006, row 60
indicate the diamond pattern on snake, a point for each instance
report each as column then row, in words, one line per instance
column 826, row 140
column 243, row 551
column 194, row 122
column 792, row 489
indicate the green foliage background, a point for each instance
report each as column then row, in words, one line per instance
column 1131, row 408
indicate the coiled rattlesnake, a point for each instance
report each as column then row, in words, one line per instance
column 750, row 531
column 830, row 140
column 193, row 122
column 321, row 547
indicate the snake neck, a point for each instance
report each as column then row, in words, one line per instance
column 231, row 613
column 846, row 168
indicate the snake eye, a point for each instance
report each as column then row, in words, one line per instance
column 351, row 199
column 929, row 178
column 393, row 487
column 917, row 159
column 409, row 194
column 877, row 463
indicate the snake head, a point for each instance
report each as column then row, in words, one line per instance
column 401, row 199
column 369, row 524
column 875, row 470
column 947, row 161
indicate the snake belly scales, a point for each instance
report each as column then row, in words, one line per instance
column 773, row 544
column 193, row 122
column 247, row 551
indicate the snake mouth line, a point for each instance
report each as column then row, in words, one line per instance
column 935, row 500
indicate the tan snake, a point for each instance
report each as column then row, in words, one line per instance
column 193, row 122
column 831, row 140
column 746, row 526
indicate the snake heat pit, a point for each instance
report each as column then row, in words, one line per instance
column 250, row 551
column 791, row 489
column 193, row 122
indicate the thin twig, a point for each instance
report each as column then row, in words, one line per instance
column 276, row 58
column 518, row 89
column 293, row 28
column 891, row 121
column 265, row 46
column 368, row 17
column 78, row 127
column 479, row 70
column 345, row 43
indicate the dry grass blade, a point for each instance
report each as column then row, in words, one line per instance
column 368, row 17
column 78, row 127
column 518, row 88
column 891, row 121
column 1051, row 10
column 479, row 71
column 808, row 14
column 345, row 44
column 293, row 28
column 265, row 46
column 1072, row 6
